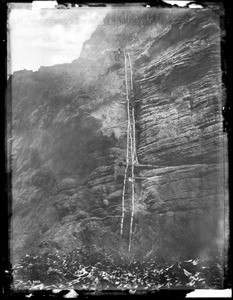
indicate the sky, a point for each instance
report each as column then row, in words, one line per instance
column 45, row 37
column 42, row 36
column 183, row 3
column 179, row 3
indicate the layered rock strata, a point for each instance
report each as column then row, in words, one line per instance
column 69, row 140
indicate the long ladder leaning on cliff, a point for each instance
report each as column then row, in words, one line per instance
column 133, row 112
column 127, row 146
column 133, row 153
column 130, row 140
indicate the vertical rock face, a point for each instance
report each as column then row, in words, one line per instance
column 180, row 131
column 69, row 140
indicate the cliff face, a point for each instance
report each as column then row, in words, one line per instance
column 69, row 141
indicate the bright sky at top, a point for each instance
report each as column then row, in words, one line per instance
column 179, row 3
column 42, row 35
column 45, row 37
column 182, row 3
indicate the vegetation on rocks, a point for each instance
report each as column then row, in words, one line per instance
column 80, row 271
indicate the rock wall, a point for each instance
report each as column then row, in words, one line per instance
column 69, row 141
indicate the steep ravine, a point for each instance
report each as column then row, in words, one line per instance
column 69, row 141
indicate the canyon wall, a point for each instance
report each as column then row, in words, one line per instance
column 67, row 138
